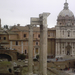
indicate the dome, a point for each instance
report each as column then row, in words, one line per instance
column 66, row 11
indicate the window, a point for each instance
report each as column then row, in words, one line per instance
column 25, row 51
column 48, row 35
column 4, row 38
column 16, row 42
column 63, row 32
column 36, row 43
column 24, row 35
column 63, row 45
column 36, row 50
column 60, row 23
column 0, row 38
column 68, row 33
column 39, row 36
column 33, row 35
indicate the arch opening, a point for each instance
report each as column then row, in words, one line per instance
column 5, row 56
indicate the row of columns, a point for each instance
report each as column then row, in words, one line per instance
column 63, row 48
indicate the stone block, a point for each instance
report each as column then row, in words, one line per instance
column 36, row 21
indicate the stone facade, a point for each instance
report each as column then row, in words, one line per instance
column 18, row 36
column 65, row 33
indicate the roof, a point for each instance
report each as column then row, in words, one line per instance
column 7, row 32
column 26, row 28
column 66, row 11
column 53, row 28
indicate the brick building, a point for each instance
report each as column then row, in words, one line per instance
column 17, row 38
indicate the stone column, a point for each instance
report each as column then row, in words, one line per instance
column 59, row 48
column 41, row 48
column 72, row 49
column 43, row 44
column 22, row 46
column 30, row 51
column 64, row 48
column 10, row 44
column 56, row 49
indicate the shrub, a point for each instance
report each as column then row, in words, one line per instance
column 21, row 56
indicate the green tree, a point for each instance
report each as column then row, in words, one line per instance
column 21, row 56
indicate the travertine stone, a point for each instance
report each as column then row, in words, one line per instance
column 42, row 21
column 30, row 51
column 43, row 44
column 36, row 21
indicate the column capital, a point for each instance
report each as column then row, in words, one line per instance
column 44, row 15
column 30, row 26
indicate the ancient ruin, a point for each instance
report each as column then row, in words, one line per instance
column 42, row 21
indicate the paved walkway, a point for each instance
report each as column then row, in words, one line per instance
column 70, row 72
column 54, row 59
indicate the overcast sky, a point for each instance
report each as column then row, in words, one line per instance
column 19, row 11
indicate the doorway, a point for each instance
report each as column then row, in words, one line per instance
column 68, row 50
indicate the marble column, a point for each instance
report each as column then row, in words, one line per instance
column 30, row 51
column 43, row 44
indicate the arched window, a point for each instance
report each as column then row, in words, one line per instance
column 68, row 33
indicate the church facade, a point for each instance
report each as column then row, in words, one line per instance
column 65, row 33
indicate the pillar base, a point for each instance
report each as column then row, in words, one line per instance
column 30, row 73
